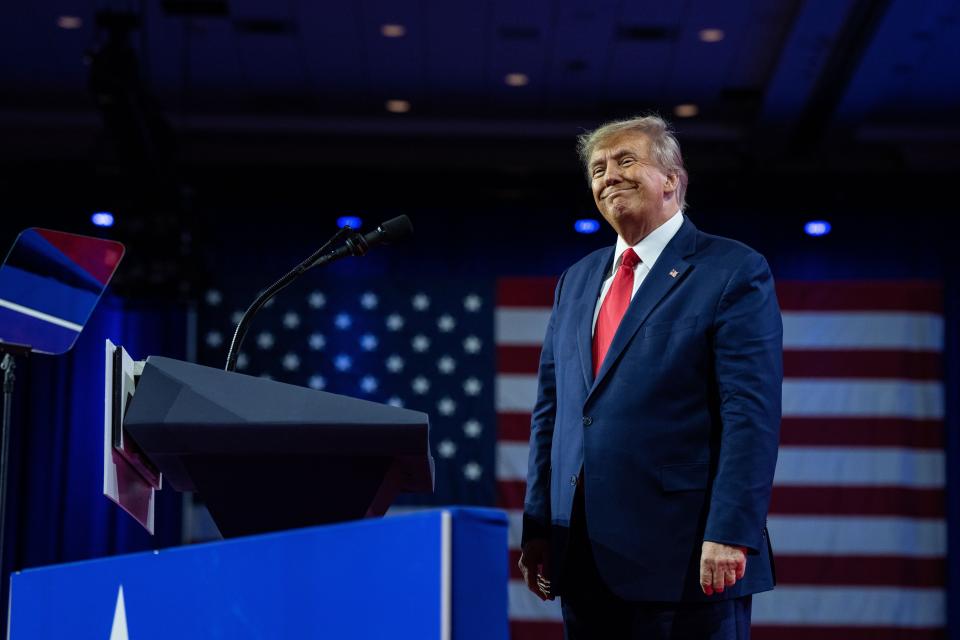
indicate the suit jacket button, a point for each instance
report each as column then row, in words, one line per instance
column 573, row 480
column 587, row 421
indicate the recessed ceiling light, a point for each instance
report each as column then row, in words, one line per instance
column 393, row 30
column 516, row 79
column 711, row 35
column 69, row 22
column 398, row 106
column 686, row 110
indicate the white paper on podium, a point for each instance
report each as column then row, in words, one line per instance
column 122, row 482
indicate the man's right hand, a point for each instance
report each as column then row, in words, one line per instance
column 535, row 567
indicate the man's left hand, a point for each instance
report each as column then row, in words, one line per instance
column 721, row 565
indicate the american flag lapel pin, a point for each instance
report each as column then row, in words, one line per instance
column 674, row 273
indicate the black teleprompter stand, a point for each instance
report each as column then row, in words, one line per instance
column 8, row 365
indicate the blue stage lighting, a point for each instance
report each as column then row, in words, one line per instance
column 587, row 225
column 352, row 221
column 102, row 219
column 817, row 228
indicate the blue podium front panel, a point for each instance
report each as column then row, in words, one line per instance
column 401, row 577
column 480, row 574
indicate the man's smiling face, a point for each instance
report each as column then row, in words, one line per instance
column 631, row 192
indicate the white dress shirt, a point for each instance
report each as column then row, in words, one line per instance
column 648, row 250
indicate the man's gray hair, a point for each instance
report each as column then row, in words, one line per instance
column 664, row 148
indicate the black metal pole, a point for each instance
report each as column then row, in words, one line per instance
column 8, row 365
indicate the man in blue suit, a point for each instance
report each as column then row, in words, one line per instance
column 654, row 437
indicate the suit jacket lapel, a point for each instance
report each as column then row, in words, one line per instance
column 585, row 327
column 666, row 273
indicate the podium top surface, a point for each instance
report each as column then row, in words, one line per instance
column 470, row 516
column 181, row 408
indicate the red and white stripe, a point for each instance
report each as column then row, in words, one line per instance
column 857, row 518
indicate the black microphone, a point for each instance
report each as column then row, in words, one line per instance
column 388, row 232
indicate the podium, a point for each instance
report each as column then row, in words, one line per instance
column 434, row 574
column 265, row 456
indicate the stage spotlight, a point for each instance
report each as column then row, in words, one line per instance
column 102, row 219
column 817, row 228
column 587, row 225
column 352, row 221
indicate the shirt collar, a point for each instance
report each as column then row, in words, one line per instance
column 650, row 248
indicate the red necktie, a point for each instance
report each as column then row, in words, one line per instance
column 613, row 308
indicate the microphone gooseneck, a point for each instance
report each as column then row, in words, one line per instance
column 355, row 244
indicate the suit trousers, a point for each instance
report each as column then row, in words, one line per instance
column 592, row 612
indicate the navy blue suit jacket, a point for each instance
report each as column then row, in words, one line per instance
column 677, row 435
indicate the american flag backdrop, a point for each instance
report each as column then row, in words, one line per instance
column 858, row 514
column 857, row 519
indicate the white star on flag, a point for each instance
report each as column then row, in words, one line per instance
column 394, row 401
column 343, row 362
column 266, row 376
column 342, row 321
column 291, row 320
column 472, row 344
column 472, row 471
column 242, row 361
column 420, row 302
column 291, row 361
column 213, row 297
column 317, row 382
column 368, row 384
column 214, row 339
column 420, row 385
column 472, row 303
column 236, row 317
column 316, row 300
column 446, row 448
column 446, row 323
column 369, row 300
column 265, row 340
column 369, row 342
column 394, row 364
column 446, row 365
column 317, row 341
column 118, row 631
column 394, row 322
column 472, row 428
column 446, row 406
column 420, row 343
column 472, row 386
